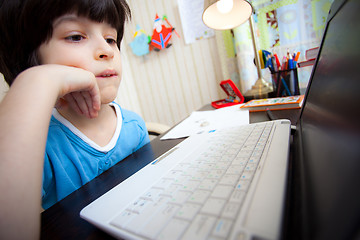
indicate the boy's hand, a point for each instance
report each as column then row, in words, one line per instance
column 80, row 92
column 75, row 87
column 81, row 102
column 78, row 88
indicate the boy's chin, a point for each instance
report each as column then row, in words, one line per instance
column 107, row 100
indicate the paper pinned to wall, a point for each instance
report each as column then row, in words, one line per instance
column 191, row 20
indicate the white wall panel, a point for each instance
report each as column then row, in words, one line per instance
column 167, row 86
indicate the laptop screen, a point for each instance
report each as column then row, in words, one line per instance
column 327, row 144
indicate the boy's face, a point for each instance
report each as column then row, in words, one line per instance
column 80, row 42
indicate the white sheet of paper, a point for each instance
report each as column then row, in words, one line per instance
column 205, row 121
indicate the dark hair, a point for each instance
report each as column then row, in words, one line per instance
column 26, row 24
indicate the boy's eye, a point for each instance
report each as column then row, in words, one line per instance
column 75, row 38
column 111, row 41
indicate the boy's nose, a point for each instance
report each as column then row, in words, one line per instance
column 104, row 50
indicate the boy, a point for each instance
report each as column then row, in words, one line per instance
column 77, row 43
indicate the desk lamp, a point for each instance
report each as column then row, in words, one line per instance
column 228, row 14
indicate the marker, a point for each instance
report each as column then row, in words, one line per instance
column 277, row 60
column 290, row 64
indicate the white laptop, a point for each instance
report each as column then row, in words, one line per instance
column 233, row 183
column 225, row 184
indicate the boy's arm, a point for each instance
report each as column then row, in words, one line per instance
column 24, row 119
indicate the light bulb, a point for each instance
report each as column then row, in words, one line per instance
column 224, row 6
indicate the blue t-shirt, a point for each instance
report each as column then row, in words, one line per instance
column 71, row 160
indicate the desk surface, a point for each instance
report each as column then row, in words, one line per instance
column 62, row 221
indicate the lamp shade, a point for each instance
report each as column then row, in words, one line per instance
column 239, row 13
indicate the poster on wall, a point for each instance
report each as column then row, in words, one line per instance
column 191, row 20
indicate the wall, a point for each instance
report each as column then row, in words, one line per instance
column 3, row 87
column 167, row 86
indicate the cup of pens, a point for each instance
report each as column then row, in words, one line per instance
column 285, row 83
column 284, row 75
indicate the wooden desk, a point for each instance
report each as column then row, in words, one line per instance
column 62, row 221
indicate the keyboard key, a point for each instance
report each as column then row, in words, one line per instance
column 229, row 179
column 227, row 158
column 254, row 160
column 188, row 211
column 200, row 228
column 240, row 160
column 171, row 190
column 190, row 185
column 182, row 179
column 181, row 167
column 247, row 175
column 222, row 191
column 173, row 230
column 180, row 197
column 173, row 174
column 139, row 220
column 222, row 228
column 237, row 145
column 250, row 167
column 235, row 170
column 152, row 194
column 244, row 153
column 199, row 196
column 208, row 184
column 218, row 173
column 158, row 221
column 163, row 183
column 199, row 175
column 243, row 185
column 146, row 215
column 213, row 206
column 231, row 209
column 237, row 196
column 232, row 151
column 222, row 165
column 123, row 218
column 207, row 166
column 139, row 205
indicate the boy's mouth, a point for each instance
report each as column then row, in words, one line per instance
column 107, row 73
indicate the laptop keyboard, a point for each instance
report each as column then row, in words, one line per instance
column 201, row 197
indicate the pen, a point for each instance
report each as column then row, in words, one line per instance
column 274, row 64
column 270, row 114
column 286, row 87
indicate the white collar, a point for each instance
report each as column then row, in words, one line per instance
column 77, row 132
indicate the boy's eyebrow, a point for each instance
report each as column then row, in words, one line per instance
column 65, row 18
column 68, row 18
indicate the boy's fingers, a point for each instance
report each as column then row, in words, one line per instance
column 87, row 105
column 93, row 104
column 82, row 103
column 95, row 98
column 60, row 103
column 89, row 101
column 72, row 103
